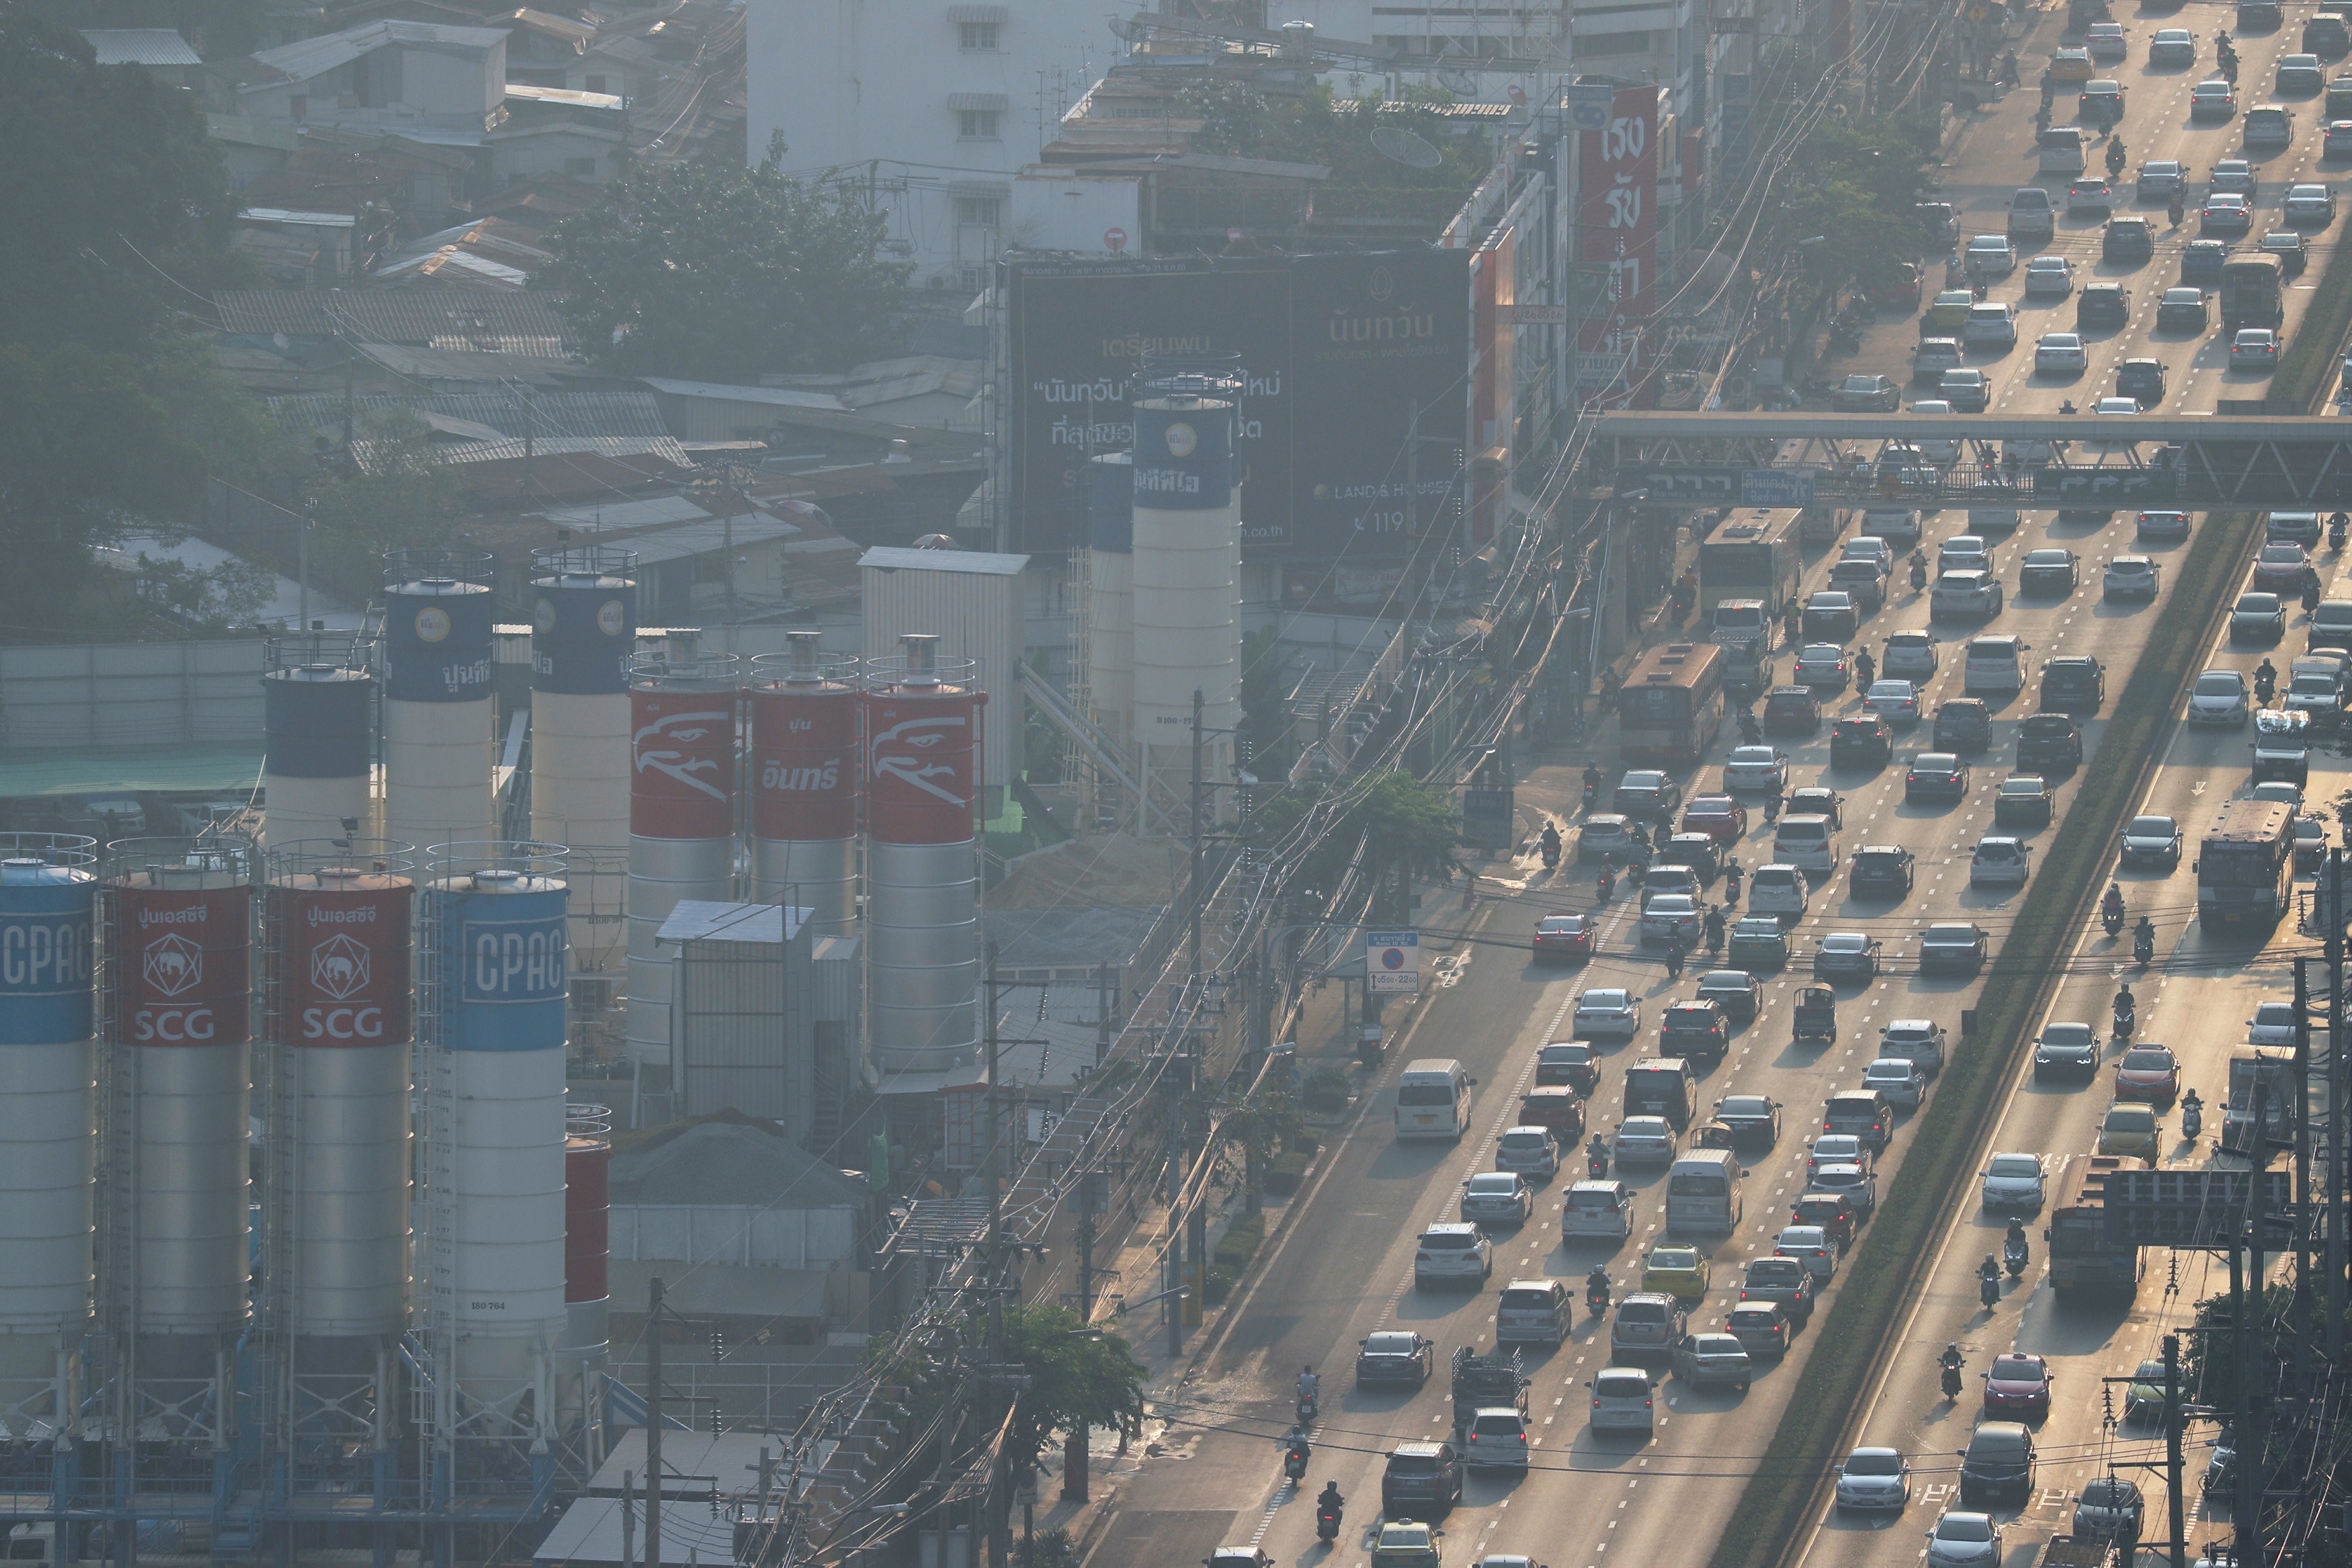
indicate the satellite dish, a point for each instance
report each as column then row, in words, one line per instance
column 1409, row 148
column 1127, row 29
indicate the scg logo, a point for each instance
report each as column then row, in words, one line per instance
column 174, row 1026
column 342, row 1023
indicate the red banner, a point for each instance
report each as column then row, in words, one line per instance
column 1617, row 214
column 922, row 766
column 804, row 765
column 682, row 755
column 183, row 965
column 342, row 975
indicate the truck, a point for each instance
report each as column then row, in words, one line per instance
column 2245, row 864
column 1487, row 1382
column 1742, row 628
column 2076, row 1552
column 2274, row 1075
column 2252, row 292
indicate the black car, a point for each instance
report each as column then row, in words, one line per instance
column 1421, row 1476
column 1952, row 948
column 1997, row 1463
column 1753, row 1119
column 1570, row 1061
column 1395, row 1356
column 2331, row 624
column 2201, row 259
column 1646, row 792
column 2177, row 312
column 2074, row 683
column 2049, row 743
column 1866, row 394
column 2104, row 303
column 1736, row 991
column 2127, row 240
column 2051, row 572
column 1861, row 742
column 1882, row 870
column 1694, row 1031
column 2286, row 244
column 2142, row 381
column 1697, row 850
column 1963, row 725
column 2151, row 840
column 2327, row 38
column 1936, row 776
column 2162, row 525
column 2066, row 1051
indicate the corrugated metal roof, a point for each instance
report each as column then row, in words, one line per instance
column 777, row 397
column 140, row 47
column 309, row 57
column 664, row 447
column 569, row 98
column 288, row 215
column 557, row 413
column 425, row 317
column 647, row 514
column 710, row 538
column 889, row 558
column 704, row 920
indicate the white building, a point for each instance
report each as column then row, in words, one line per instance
column 933, row 106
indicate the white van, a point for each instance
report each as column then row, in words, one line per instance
column 1992, row 520
column 2060, row 150
column 1621, row 1401
column 1434, row 1098
column 1597, row 1208
column 1806, row 841
column 1994, row 664
column 1534, row 1311
column 1705, row 1192
column 1777, row 889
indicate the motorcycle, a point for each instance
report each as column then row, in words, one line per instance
column 1327, row 1524
column 2143, row 946
column 1294, row 1463
column 1952, row 1380
column 1919, row 575
column 1308, row 1406
column 1731, row 884
column 2192, row 1116
column 1591, row 794
column 2111, row 916
column 2265, row 688
column 2014, row 1255
column 1750, row 732
column 1596, row 1160
column 2339, row 527
column 2126, row 1018
column 1551, row 853
column 1368, row 1041
column 1988, row 1289
column 1608, row 886
column 1596, row 1300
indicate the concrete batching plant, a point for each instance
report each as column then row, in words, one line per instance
column 438, row 613
column 682, row 752
column 803, row 783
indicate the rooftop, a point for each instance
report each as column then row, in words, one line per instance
column 310, row 58
column 140, row 47
column 422, row 318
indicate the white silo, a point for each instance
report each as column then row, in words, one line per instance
column 683, row 711
column 1110, row 593
column 583, row 631
column 1187, row 528
column 436, row 709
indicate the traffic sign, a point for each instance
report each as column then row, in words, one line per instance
column 1114, row 239
column 1535, row 315
column 1589, row 105
column 1393, row 962
column 1776, row 487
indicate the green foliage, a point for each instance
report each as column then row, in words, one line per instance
column 1401, row 825
column 1326, row 1092
column 1240, row 1242
column 1286, row 1171
column 1217, row 1285
column 1072, row 1378
column 711, row 270
column 2209, row 1357
column 1263, row 719
column 1048, row 1548
column 1857, row 182
column 1316, row 127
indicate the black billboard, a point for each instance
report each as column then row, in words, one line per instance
column 1336, row 353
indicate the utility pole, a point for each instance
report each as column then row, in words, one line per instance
column 1199, row 707
column 652, row 1422
column 2246, row 1327
column 2338, row 1170
column 2300, row 1338
column 2172, row 1447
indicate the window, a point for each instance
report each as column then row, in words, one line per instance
column 976, row 38
column 584, row 168
column 596, row 84
column 984, row 210
column 973, row 279
column 977, row 124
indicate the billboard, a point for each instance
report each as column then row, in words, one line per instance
column 1617, row 210
column 1338, row 354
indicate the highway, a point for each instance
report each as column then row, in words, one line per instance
column 1342, row 1268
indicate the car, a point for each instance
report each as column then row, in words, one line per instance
column 2132, row 1132
column 1898, row 1081
column 2102, row 100
column 1933, row 357
column 1393, row 1357
column 2309, row 205
column 1668, row 876
column 1498, row 1197
column 2144, row 1394
column 1989, row 255
column 2048, row 572
column 2148, row 1072
column 2298, row 74
column 1874, row 1480
column 1694, row 1031
column 2172, row 47
column 1571, row 1064
column 1850, row 1179
column 1753, row 1119
column 2271, row 1025
column 2234, row 175
column 1792, row 710
column 1952, row 948
column 2336, row 141
column 1832, row 1212
column 2212, row 98
column 2022, row 800
column 2110, row 1508
column 1964, row 1539
column 1989, row 322
column 2049, row 743
column 1936, row 449
column 2328, row 36
column 1645, row 1140
column 2060, row 352
column 1866, row 394
column 1936, row 776
column 1968, row 390
column 1898, row 702
column 1607, row 1011
column 1762, row 1328
column 1863, row 581
column 2254, row 349
column 1997, row 1463
column 2071, row 65
column 1736, row 991
column 1565, row 939
column 1699, row 851
column 1720, row 817
column 1910, row 655
column 2141, row 380
column 2161, row 525
column 2018, row 1381
column 2013, row 1181
column 2225, row 213
column 1623, row 1400
column 2314, row 690
column 2280, row 566
column 2331, row 625
column 2160, row 179
column 1870, row 546
column 2105, row 41
column 1528, row 1150
column 1646, row 1322
column 2092, row 195
column 2130, row 241
column 1948, row 311
column 1962, row 724
column 1816, row 799
column 1810, row 1245
column 1834, row 1149
column 2201, row 260
column 1420, row 1476
column 1862, row 741
column 1401, row 1544
column 2131, row 577
column 2066, row 1049
column 2256, row 618
column 1604, row 834
column 1712, row 1361
column 1755, row 768
column 1964, row 593
column 1452, row 1253
column 1646, row 792
column 2074, row 682
column 2182, row 309
column 2294, row 255
column 2000, row 860
column 1678, row 1271
column 2049, row 276
column 1822, row 667
column 1672, row 917
column 1881, row 871
column 1847, row 955
column 2151, row 840
column 1756, row 942
column 1497, row 1439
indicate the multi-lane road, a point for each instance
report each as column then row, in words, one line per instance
column 1342, row 1267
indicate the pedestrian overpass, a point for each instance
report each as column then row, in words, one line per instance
column 2143, row 462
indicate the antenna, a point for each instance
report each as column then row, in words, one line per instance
column 1409, row 148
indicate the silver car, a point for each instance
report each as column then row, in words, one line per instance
column 1964, row 593
column 1910, row 656
column 1964, row 1539
column 1856, row 1182
column 2220, row 696
column 1645, row 1140
column 1607, row 1010
column 2000, row 861
column 1498, row 1197
column 1528, row 1150
column 2132, row 577
column 2013, row 1181
column 1897, row 1081
column 1919, row 1041
column 1874, row 1480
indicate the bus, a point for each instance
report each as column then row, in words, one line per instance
column 2251, row 295
column 2245, row 864
column 2082, row 1258
column 1671, row 707
column 1754, row 557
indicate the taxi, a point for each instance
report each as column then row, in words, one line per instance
column 1680, row 1271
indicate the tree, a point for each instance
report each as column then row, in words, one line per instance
column 1073, row 1377
column 1390, row 826
column 1858, row 185
column 710, row 270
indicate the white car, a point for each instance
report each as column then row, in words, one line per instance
column 2254, row 349
column 2273, row 1024
column 1871, row 548
column 1755, row 768
column 1860, row 1187
column 1452, row 1252
column 2049, row 276
column 1835, row 1149
column 1964, row 1540
column 2115, row 405
column 2013, row 1181
column 1874, row 1480
column 2220, row 696
column 1910, row 655
column 2310, row 205
column 1528, row 1150
column 1896, row 702
column 2061, row 352
column 1607, row 1010
column 1990, row 256
column 1919, row 1041
column 2000, row 860
column 1964, row 552
column 2172, row 47
column 1964, row 593
column 1936, row 448
column 1641, row 1139
column 2132, row 577
column 1991, row 321
column 1670, row 917
column 1897, row 1081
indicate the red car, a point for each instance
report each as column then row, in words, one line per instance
column 2017, row 1383
column 2148, row 1072
column 1720, row 817
column 1564, row 938
column 2280, row 567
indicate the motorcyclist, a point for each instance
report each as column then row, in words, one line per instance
column 1951, row 1360
column 1310, row 1385
column 1550, row 842
column 1918, row 569
column 1596, row 1285
column 1731, row 878
column 2265, row 681
column 1988, row 1273
column 1596, row 1154
column 1591, row 781
column 2016, row 1236
column 2111, row 908
column 2066, row 405
column 2192, row 1113
column 1329, row 1500
column 2117, row 157
column 2339, row 527
column 1714, row 927
column 2177, row 209
column 2144, row 934
column 2125, row 1006
column 1865, row 668
column 2008, row 66
column 1772, row 804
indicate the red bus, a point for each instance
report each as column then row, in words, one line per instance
column 1671, row 707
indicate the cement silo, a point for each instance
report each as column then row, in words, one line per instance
column 1110, row 593
column 682, row 721
column 803, row 783
column 584, row 1355
column 922, row 920
column 1187, row 523
column 583, row 631
column 48, row 1147
column 436, row 709
column 319, row 717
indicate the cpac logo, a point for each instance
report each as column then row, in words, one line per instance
column 339, row 968
column 916, row 737
column 174, row 966
column 671, row 732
